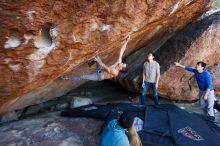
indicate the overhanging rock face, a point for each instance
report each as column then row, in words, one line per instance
column 42, row 40
column 199, row 41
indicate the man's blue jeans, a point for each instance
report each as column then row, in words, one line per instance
column 144, row 92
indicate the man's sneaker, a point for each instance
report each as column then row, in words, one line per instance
column 64, row 78
column 91, row 62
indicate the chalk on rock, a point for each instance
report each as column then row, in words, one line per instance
column 13, row 41
column 43, row 39
column 79, row 101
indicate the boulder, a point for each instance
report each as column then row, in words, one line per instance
column 45, row 39
column 51, row 130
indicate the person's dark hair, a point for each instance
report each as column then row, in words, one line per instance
column 150, row 53
column 203, row 64
column 126, row 120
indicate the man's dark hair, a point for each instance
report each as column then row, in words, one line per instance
column 150, row 53
column 126, row 120
column 203, row 64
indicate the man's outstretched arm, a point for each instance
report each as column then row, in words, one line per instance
column 179, row 65
column 122, row 50
column 188, row 68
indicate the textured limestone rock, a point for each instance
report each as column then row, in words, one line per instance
column 42, row 40
column 51, row 129
column 198, row 41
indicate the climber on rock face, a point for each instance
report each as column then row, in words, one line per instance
column 103, row 71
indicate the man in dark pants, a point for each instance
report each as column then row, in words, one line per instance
column 151, row 76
